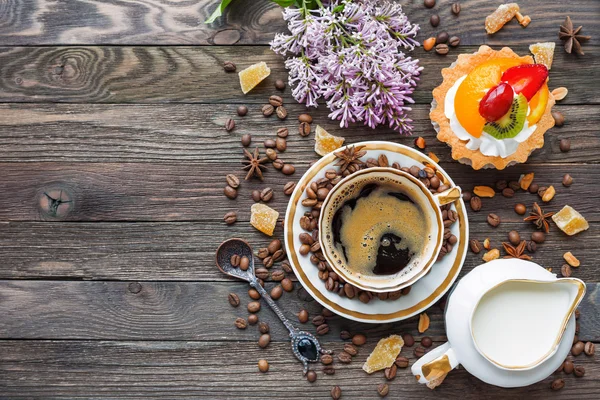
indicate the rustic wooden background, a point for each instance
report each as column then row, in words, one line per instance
column 121, row 105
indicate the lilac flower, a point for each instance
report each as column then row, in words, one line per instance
column 349, row 53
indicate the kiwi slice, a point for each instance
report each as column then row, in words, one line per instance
column 511, row 123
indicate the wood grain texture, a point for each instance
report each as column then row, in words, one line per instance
column 195, row 133
column 185, row 251
column 160, row 370
column 183, row 311
column 125, row 74
column 194, row 192
column 37, row 22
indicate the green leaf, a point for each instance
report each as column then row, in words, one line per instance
column 284, row 3
column 218, row 12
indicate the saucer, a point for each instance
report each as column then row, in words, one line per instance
column 424, row 292
column 461, row 306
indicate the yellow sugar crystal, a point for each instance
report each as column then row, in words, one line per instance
column 570, row 221
column 496, row 20
column 253, row 75
column 326, row 143
column 263, row 218
column 543, row 53
column 384, row 354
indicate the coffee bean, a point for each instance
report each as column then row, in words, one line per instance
column 426, row 342
column 501, row 185
column 281, row 112
column 344, row 357
column 514, row 185
column 409, row 340
column 401, row 362
column 240, row 323
column 242, row 111
column 508, row 192
column 567, row 180
column 493, row 220
column 467, row 195
column 268, row 262
column 520, row 208
column 254, row 306
column 283, row 132
column 229, row 125
column 263, row 251
column 253, row 293
column 278, row 164
column 568, row 367
column 280, row 144
column 329, row 370
column 305, row 118
column 311, row 376
column 228, row 66
column 565, row 270
column 475, row 203
column 557, row 384
column 538, row 237
column 336, row 393
column 276, row 292
column 274, row 245
column 288, row 189
column 350, row 349
column 318, row 320
column 441, row 49
column 541, row 191
column 559, row 118
column 252, row 319
column 419, row 352
column 275, row 101
column 383, row 389
column 303, row 316
column 304, row 129
column 267, row 110
column 269, row 143
column 230, row 217
column 326, row 359
column 263, row 365
column 266, row 194
column 514, row 238
column 533, row 188
column 233, row 181
column 264, row 340
column 565, row 145
column 589, row 348
column 579, row 371
column 279, row 84
column 263, row 327
column 435, row 21
column 246, row 139
column 454, row 41
column 271, row 154
column 235, row 260
column 429, row 3
column 287, row 285
column 577, row 348
column 230, row 192
column 359, row 339
column 345, row 335
column 288, row 169
column 244, row 263
column 390, row 372
column 322, row 329
column 442, row 37
column 234, row 299
column 456, row 8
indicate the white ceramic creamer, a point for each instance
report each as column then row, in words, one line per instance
column 490, row 312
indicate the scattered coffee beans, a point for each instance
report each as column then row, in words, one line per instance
column 234, row 299
column 565, row 270
column 434, row 20
column 390, row 372
column 287, row 285
column 514, row 238
column 252, row 319
column 246, row 139
column 508, row 192
column 230, row 192
column 240, row 323
column 567, row 180
column 326, row 359
column 359, row 339
column 579, row 371
column 441, row 49
column 254, row 306
column 336, row 393
column 520, row 208
column 263, row 327
column 559, row 118
column 442, row 37
column 329, row 370
column 589, row 349
column 568, row 367
column 493, row 220
column 263, row 366
column 350, row 349
column 475, row 203
column 409, row 340
column 253, row 293
column 401, row 362
column 426, row 342
column 264, row 340
column 557, row 384
column 304, row 129
column 267, row 110
column 303, row 316
column 311, row 376
column 322, row 329
column 230, row 217
column 344, row 357
column 235, row 260
column 383, row 389
column 454, row 41
column 242, row 111
column 228, row 66
column 565, row 145
column 279, row 84
column 288, row 169
column 345, row 335
column 456, row 8
column 281, row 112
column 289, row 187
column 229, row 125
column 419, row 351
column 276, row 292
column 538, row 237
column 577, row 348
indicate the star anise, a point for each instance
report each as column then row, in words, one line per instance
column 572, row 37
column 254, row 164
column 350, row 156
column 516, row 252
column 539, row 218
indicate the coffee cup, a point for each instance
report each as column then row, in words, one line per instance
column 381, row 229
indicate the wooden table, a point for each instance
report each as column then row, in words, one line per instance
column 119, row 108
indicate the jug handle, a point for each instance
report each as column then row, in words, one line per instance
column 435, row 364
column 448, row 196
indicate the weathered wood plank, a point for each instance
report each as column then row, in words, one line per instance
column 115, row 74
column 185, row 251
column 36, row 22
column 77, row 369
column 182, row 311
column 195, row 133
column 194, row 191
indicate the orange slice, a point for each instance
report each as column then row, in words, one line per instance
column 474, row 87
column 537, row 105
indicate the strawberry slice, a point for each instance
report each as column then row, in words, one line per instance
column 526, row 79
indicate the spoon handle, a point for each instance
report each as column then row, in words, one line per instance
column 254, row 283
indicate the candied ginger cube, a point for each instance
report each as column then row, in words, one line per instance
column 496, row 20
column 570, row 221
column 253, row 75
column 325, row 142
column 543, row 53
column 384, row 354
column 263, row 218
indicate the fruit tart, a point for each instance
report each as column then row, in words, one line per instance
column 492, row 108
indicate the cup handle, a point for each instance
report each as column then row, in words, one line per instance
column 448, row 196
column 435, row 364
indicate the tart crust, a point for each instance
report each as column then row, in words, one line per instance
column 463, row 65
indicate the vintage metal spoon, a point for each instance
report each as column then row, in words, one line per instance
column 305, row 346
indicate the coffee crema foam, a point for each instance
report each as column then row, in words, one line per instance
column 374, row 212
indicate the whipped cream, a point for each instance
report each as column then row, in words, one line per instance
column 486, row 144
